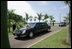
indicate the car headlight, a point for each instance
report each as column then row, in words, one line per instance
column 23, row 31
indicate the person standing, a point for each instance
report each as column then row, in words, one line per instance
column 14, row 26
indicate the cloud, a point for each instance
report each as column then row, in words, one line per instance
column 64, row 7
column 44, row 3
column 21, row 7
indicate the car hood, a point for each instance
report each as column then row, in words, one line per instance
column 20, row 30
column 23, row 28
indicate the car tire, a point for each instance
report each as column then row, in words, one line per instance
column 48, row 29
column 31, row 34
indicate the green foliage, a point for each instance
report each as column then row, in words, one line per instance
column 35, row 18
column 27, row 17
column 39, row 16
column 53, row 20
column 46, row 16
column 67, row 2
column 21, row 26
column 51, row 17
column 30, row 18
column 13, row 16
column 54, row 41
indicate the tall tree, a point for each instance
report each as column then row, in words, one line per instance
column 24, row 20
column 10, row 14
column 4, row 32
column 35, row 18
column 69, row 34
column 27, row 17
column 30, row 18
column 51, row 19
column 39, row 16
column 46, row 17
column 53, row 22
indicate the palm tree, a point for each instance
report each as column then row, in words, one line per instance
column 39, row 16
column 51, row 18
column 27, row 17
column 46, row 17
column 53, row 22
column 35, row 18
column 4, row 32
column 24, row 20
column 30, row 18
column 69, row 34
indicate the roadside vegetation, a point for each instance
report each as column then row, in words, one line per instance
column 57, row 40
column 14, row 18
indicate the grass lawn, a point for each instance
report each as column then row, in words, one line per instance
column 10, row 33
column 57, row 40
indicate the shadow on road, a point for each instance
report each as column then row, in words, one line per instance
column 35, row 36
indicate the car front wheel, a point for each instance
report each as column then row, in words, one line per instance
column 31, row 35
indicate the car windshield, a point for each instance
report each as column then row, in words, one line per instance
column 22, row 29
column 31, row 24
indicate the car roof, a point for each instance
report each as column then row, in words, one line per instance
column 61, row 22
column 38, row 22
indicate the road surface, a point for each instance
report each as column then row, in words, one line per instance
column 25, row 42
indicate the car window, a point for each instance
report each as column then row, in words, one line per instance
column 31, row 24
column 37, row 24
column 62, row 23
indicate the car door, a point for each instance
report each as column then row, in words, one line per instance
column 40, row 27
column 37, row 27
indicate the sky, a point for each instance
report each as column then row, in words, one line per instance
column 58, row 9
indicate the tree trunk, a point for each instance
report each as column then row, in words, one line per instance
column 53, row 23
column 4, row 33
column 69, row 33
column 9, row 25
column 50, row 22
column 39, row 20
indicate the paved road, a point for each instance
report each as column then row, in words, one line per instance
column 24, row 43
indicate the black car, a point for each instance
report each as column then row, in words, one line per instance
column 62, row 24
column 31, row 29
